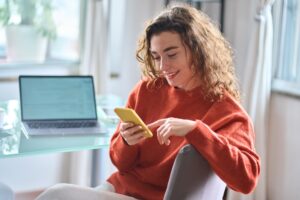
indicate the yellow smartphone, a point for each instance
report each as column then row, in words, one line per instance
column 129, row 115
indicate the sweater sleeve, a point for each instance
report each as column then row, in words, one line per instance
column 122, row 155
column 225, row 137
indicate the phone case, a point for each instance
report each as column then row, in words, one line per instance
column 129, row 115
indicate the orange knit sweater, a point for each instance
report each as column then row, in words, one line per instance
column 224, row 136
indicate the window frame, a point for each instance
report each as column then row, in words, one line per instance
column 284, row 81
column 10, row 71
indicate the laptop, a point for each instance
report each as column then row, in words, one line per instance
column 58, row 105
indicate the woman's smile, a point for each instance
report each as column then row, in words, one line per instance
column 171, row 75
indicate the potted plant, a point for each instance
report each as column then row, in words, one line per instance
column 28, row 25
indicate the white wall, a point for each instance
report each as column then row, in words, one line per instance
column 29, row 173
column 284, row 148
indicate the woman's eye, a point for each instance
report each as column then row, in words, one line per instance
column 172, row 55
column 156, row 58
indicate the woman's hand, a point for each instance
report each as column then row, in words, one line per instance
column 171, row 126
column 131, row 133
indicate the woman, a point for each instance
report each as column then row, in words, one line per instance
column 189, row 94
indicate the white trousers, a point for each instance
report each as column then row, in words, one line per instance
column 64, row 191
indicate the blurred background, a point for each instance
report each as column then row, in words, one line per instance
column 99, row 37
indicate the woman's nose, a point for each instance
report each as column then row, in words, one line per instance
column 164, row 65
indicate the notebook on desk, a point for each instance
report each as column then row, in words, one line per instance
column 58, row 105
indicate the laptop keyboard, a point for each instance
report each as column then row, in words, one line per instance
column 79, row 124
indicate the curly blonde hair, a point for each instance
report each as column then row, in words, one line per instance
column 211, row 54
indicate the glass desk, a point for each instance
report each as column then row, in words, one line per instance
column 14, row 143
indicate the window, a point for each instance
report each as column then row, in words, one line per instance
column 286, row 15
column 213, row 8
column 58, row 20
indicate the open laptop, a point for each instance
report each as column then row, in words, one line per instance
column 58, row 105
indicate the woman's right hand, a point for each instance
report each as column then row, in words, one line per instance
column 131, row 133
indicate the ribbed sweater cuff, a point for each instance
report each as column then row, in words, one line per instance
column 122, row 150
column 204, row 139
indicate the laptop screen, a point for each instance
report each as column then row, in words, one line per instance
column 57, row 97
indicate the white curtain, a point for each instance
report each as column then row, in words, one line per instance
column 94, row 60
column 93, row 63
column 257, row 90
column 127, row 20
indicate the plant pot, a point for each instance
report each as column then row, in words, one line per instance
column 24, row 44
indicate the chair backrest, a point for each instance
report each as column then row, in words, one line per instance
column 192, row 178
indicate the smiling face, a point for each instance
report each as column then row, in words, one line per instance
column 173, row 59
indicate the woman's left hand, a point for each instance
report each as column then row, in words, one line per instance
column 171, row 126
